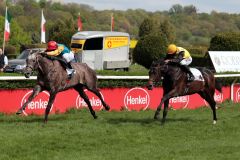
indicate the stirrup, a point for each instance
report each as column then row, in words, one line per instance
column 190, row 78
column 71, row 74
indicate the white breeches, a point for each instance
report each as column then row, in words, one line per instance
column 68, row 56
column 186, row 61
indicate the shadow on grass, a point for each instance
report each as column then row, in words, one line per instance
column 30, row 119
column 146, row 121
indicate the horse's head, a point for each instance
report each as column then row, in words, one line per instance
column 31, row 64
column 155, row 73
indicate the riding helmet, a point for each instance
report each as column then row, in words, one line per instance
column 52, row 45
column 172, row 48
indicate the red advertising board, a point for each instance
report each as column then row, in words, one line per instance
column 236, row 92
column 117, row 98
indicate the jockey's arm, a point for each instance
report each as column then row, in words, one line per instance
column 181, row 55
column 52, row 53
column 169, row 56
column 178, row 59
column 55, row 52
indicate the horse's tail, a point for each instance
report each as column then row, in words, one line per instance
column 218, row 85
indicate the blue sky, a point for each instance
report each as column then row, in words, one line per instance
column 228, row 6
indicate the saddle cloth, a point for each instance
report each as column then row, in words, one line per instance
column 197, row 74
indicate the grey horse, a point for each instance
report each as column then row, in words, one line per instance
column 52, row 77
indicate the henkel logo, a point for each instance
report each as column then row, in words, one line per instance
column 179, row 102
column 238, row 95
column 37, row 105
column 94, row 101
column 136, row 99
column 218, row 97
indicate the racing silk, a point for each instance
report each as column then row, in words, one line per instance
column 182, row 56
column 186, row 53
column 62, row 49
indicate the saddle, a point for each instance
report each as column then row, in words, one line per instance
column 62, row 61
column 197, row 74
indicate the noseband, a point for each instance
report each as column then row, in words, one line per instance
column 29, row 67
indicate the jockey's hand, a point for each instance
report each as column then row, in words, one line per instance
column 43, row 53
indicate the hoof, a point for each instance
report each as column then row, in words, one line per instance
column 214, row 122
column 95, row 117
column 155, row 117
column 19, row 112
column 107, row 108
column 163, row 121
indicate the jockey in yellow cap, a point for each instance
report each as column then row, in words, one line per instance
column 182, row 56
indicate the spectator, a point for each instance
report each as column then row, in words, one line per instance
column 3, row 60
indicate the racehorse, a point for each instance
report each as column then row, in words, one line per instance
column 53, row 78
column 175, row 84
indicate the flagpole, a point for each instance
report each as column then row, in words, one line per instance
column 79, row 29
column 79, row 22
column 111, row 22
column 4, row 32
column 43, row 31
column 41, row 27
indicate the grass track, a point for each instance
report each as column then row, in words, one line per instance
column 187, row 134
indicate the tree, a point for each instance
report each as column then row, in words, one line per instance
column 228, row 41
column 149, row 48
column 17, row 34
column 42, row 3
column 146, row 27
column 62, row 31
column 191, row 9
column 167, row 28
column 176, row 9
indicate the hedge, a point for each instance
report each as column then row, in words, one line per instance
column 104, row 83
column 229, row 41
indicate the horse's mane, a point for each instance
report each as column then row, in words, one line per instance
column 162, row 62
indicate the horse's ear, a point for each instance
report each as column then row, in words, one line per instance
column 41, row 52
column 30, row 51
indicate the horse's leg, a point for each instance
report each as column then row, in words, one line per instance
column 165, row 110
column 156, row 116
column 97, row 93
column 49, row 105
column 210, row 99
column 165, row 98
column 37, row 89
column 79, row 89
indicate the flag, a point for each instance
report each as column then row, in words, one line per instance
column 43, row 30
column 112, row 22
column 79, row 23
column 7, row 26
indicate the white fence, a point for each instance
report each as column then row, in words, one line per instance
column 105, row 77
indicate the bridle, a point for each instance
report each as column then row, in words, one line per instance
column 29, row 67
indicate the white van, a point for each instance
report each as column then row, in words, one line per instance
column 102, row 50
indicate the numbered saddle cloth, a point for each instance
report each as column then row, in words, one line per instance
column 197, row 74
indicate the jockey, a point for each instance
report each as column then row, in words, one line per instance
column 182, row 56
column 60, row 50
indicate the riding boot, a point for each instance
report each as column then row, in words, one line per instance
column 70, row 70
column 67, row 66
column 188, row 71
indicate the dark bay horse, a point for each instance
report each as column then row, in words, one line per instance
column 53, row 78
column 175, row 84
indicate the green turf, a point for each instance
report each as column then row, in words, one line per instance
column 187, row 134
